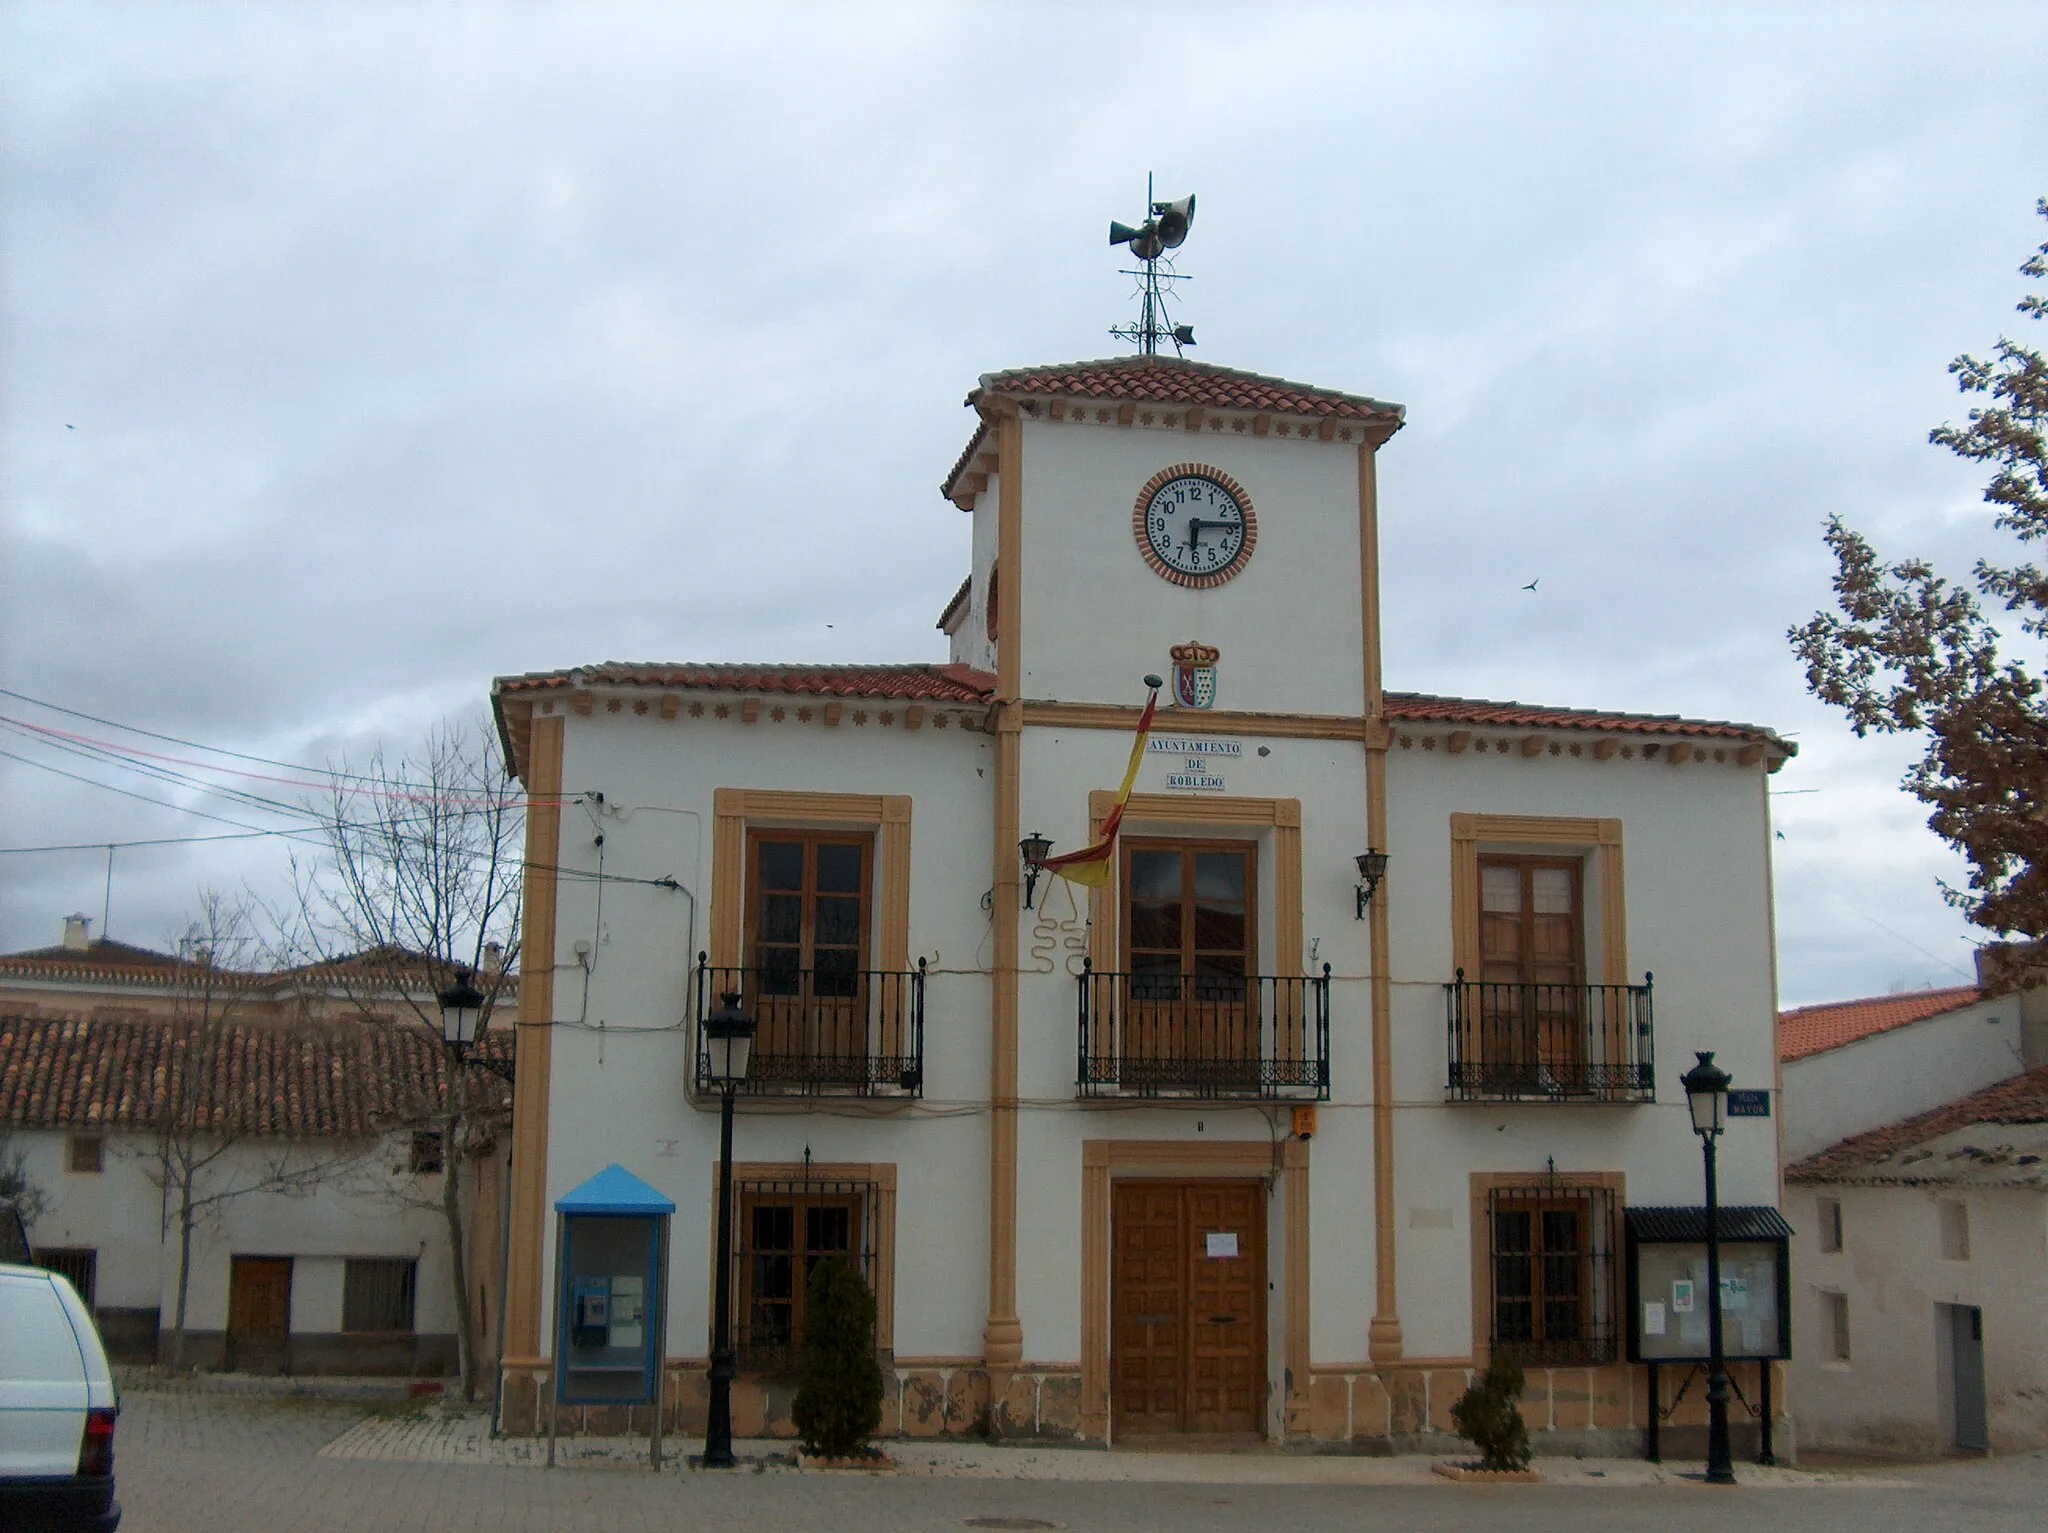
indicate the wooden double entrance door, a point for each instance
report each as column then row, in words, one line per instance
column 1188, row 1307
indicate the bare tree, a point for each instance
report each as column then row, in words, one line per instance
column 418, row 884
column 209, row 1147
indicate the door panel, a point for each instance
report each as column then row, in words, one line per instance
column 1188, row 1328
column 1968, row 1328
column 259, row 1313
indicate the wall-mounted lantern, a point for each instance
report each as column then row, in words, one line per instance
column 1372, row 867
column 1034, row 848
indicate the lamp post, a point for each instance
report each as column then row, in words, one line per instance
column 1372, row 867
column 1034, row 849
column 728, row 1045
column 462, row 1008
column 1706, row 1093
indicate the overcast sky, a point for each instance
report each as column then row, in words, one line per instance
column 354, row 354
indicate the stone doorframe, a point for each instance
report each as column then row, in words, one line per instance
column 1102, row 1160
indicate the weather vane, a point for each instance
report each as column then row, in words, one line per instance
column 1164, row 230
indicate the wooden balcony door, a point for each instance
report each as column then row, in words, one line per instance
column 1532, row 938
column 807, row 963
column 1188, row 1310
column 1191, row 952
column 259, row 1313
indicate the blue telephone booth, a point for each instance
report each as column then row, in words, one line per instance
column 611, row 1241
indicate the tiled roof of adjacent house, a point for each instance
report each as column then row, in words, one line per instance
column 1177, row 381
column 1810, row 1030
column 337, row 1080
column 1419, row 708
column 933, row 683
column 1994, row 1137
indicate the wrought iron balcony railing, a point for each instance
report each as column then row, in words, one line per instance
column 822, row 1031
column 1165, row 1034
column 1538, row 1043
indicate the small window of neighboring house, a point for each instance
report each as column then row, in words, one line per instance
column 784, row 1230
column 1830, row 1225
column 86, row 1154
column 991, row 613
column 78, row 1265
column 1955, row 1231
column 1551, row 1261
column 1835, row 1309
column 377, row 1294
column 427, row 1157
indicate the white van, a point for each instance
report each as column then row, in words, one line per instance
column 57, row 1408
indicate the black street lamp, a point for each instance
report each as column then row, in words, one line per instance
column 1706, row 1093
column 462, row 1008
column 728, row 1045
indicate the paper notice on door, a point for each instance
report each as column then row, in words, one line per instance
column 1752, row 1334
column 1653, row 1318
column 1681, row 1296
column 1222, row 1242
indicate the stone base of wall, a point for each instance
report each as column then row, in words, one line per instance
column 1571, row 1412
column 1582, row 1412
column 1038, row 1404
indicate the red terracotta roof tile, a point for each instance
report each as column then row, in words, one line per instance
column 1177, row 381
column 1419, row 708
column 934, row 683
column 348, row 1079
column 2019, row 1099
column 1808, row 1030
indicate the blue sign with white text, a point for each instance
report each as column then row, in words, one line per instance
column 1750, row 1103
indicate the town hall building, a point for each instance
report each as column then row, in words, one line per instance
column 1344, row 1065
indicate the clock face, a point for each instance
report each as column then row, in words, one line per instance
column 1195, row 525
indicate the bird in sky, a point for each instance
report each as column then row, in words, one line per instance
column 1532, row 584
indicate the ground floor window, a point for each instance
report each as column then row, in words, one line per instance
column 377, row 1293
column 78, row 1265
column 782, row 1229
column 1551, row 1263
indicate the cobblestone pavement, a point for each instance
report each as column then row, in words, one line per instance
column 226, row 1463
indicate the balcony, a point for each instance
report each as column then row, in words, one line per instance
column 822, row 1032
column 1549, row 1043
column 1205, row 1036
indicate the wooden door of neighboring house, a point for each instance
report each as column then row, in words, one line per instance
column 259, row 1313
column 1187, row 1306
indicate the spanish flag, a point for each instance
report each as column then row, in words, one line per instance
column 1092, row 865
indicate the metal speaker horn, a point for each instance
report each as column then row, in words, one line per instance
column 1174, row 219
column 1122, row 234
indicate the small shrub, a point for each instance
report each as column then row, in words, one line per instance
column 1486, row 1416
column 838, row 1404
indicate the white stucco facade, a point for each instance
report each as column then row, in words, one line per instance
column 1664, row 825
column 367, row 1204
column 1894, row 1391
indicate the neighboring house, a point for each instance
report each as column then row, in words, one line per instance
column 1223, row 1145
column 1921, row 1277
column 327, row 1106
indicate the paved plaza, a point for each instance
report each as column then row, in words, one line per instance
column 217, row 1462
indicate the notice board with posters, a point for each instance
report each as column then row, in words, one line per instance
column 1667, row 1284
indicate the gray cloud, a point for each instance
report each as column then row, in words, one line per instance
column 408, row 346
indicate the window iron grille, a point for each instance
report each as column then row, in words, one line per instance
column 1550, row 1263
column 782, row 1227
column 77, row 1265
column 377, row 1293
